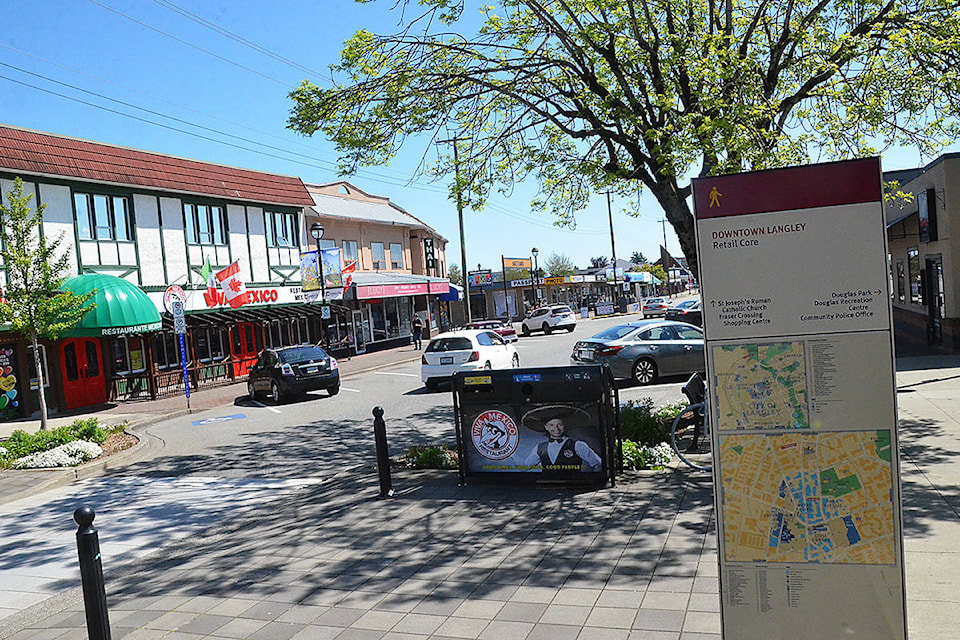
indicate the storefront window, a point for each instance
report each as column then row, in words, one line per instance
column 166, row 350
column 901, row 287
column 127, row 355
column 32, row 367
column 913, row 272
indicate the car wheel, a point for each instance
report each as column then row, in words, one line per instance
column 431, row 385
column 645, row 371
column 546, row 328
column 516, row 361
column 274, row 392
column 334, row 390
column 524, row 330
column 570, row 329
column 251, row 391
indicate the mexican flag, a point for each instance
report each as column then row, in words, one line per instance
column 233, row 287
column 207, row 274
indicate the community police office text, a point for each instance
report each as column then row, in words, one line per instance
column 737, row 238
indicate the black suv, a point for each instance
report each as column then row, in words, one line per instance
column 293, row 371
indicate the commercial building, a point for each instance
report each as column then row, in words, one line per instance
column 135, row 223
column 923, row 254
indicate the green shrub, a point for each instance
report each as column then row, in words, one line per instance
column 430, row 457
column 22, row 444
column 640, row 423
column 638, row 456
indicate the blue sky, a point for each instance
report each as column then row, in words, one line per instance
column 143, row 53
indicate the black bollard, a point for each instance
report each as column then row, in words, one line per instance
column 383, row 456
column 91, row 575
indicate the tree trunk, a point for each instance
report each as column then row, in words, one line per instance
column 40, row 382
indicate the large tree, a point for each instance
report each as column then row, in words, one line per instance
column 560, row 264
column 34, row 304
column 625, row 95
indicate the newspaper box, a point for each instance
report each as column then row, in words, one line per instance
column 556, row 425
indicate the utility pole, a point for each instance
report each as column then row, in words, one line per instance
column 463, row 244
column 613, row 251
column 666, row 267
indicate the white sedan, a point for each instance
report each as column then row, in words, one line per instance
column 465, row 350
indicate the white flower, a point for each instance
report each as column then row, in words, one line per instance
column 66, row 455
column 3, row 451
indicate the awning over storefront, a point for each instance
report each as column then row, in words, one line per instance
column 121, row 306
column 395, row 285
column 453, row 295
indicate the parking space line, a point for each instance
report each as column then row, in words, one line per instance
column 388, row 373
column 350, row 390
column 260, row 404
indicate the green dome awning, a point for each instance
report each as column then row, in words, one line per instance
column 122, row 307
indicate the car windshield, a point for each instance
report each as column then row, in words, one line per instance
column 615, row 333
column 449, row 344
column 561, row 309
column 686, row 304
column 654, row 301
column 301, row 354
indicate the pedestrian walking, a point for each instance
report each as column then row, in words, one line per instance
column 417, row 332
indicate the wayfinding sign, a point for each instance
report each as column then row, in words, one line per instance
column 799, row 342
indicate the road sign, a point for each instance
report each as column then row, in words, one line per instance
column 173, row 292
column 179, row 321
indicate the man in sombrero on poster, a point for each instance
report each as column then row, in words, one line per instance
column 560, row 452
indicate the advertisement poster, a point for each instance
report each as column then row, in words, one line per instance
column 560, row 440
column 802, row 397
column 9, row 389
column 332, row 275
column 309, row 271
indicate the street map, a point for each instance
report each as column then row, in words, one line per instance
column 761, row 386
column 808, row 497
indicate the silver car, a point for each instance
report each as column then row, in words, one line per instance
column 645, row 350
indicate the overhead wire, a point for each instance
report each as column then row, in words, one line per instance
column 366, row 174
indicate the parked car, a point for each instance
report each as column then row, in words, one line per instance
column 546, row 319
column 644, row 350
column 689, row 311
column 293, row 371
column 465, row 350
column 654, row 307
column 504, row 330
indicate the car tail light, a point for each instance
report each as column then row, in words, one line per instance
column 423, row 359
column 609, row 351
column 474, row 356
column 286, row 370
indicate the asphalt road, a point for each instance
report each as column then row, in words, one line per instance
column 318, row 436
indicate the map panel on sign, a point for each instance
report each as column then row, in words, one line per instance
column 808, row 497
column 761, row 386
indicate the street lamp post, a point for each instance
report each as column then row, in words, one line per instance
column 613, row 251
column 536, row 279
column 316, row 230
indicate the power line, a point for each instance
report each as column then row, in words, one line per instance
column 236, row 37
column 193, row 46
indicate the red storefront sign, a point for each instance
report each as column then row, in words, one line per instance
column 395, row 290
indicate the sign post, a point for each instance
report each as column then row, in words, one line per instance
column 180, row 328
column 802, row 402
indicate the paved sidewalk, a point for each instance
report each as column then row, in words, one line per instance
column 494, row 562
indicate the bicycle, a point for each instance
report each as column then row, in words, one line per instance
column 690, row 432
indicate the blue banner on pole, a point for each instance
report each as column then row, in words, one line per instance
column 183, row 364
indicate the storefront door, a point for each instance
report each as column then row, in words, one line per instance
column 83, row 381
column 243, row 348
column 360, row 331
column 935, row 299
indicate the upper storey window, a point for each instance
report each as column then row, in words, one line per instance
column 205, row 223
column 102, row 217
